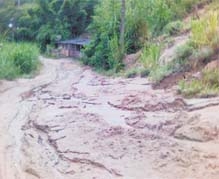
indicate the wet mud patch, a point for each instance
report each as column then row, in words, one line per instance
column 150, row 103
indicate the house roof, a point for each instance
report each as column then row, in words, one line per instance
column 76, row 41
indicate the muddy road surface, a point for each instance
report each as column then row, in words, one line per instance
column 71, row 123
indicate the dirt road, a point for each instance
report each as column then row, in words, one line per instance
column 71, row 123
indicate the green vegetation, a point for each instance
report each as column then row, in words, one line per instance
column 182, row 60
column 205, row 31
column 17, row 59
column 132, row 73
column 173, row 28
column 207, row 85
column 37, row 21
column 144, row 20
column 104, row 51
column 150, row 56
column 205, row 39
column 171, row 13
column 116, row 28
column 202, row 46
column 45, row 21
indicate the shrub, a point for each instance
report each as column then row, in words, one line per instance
column 160, row 15
column 25, row 57
column 18, row 59
column 7, row 68
column 104, row 53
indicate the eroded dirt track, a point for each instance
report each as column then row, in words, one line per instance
column 71, row 123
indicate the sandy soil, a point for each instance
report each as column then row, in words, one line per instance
column 71, row 123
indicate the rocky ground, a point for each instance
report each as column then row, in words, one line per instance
column 71, row 123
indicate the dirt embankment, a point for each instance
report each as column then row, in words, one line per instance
column 70, row 123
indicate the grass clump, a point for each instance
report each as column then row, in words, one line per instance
column 150, row 60
column 207, row 86
column 150, row 56
column 17, row 59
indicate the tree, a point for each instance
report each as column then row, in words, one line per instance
column 104, row 50
column 70, row 18
column 44, row 20
column 117, row 31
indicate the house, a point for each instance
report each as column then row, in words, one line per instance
column 72, row 47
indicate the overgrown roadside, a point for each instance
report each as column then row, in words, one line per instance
column 18, row 59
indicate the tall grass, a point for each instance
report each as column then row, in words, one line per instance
column 150, row 56
column 17, row 59
column 205, row 32
column 150, row 60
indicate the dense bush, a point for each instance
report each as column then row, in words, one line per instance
column 25, row 57
column 104, row 51
column 17, row 59
column 145, row 19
